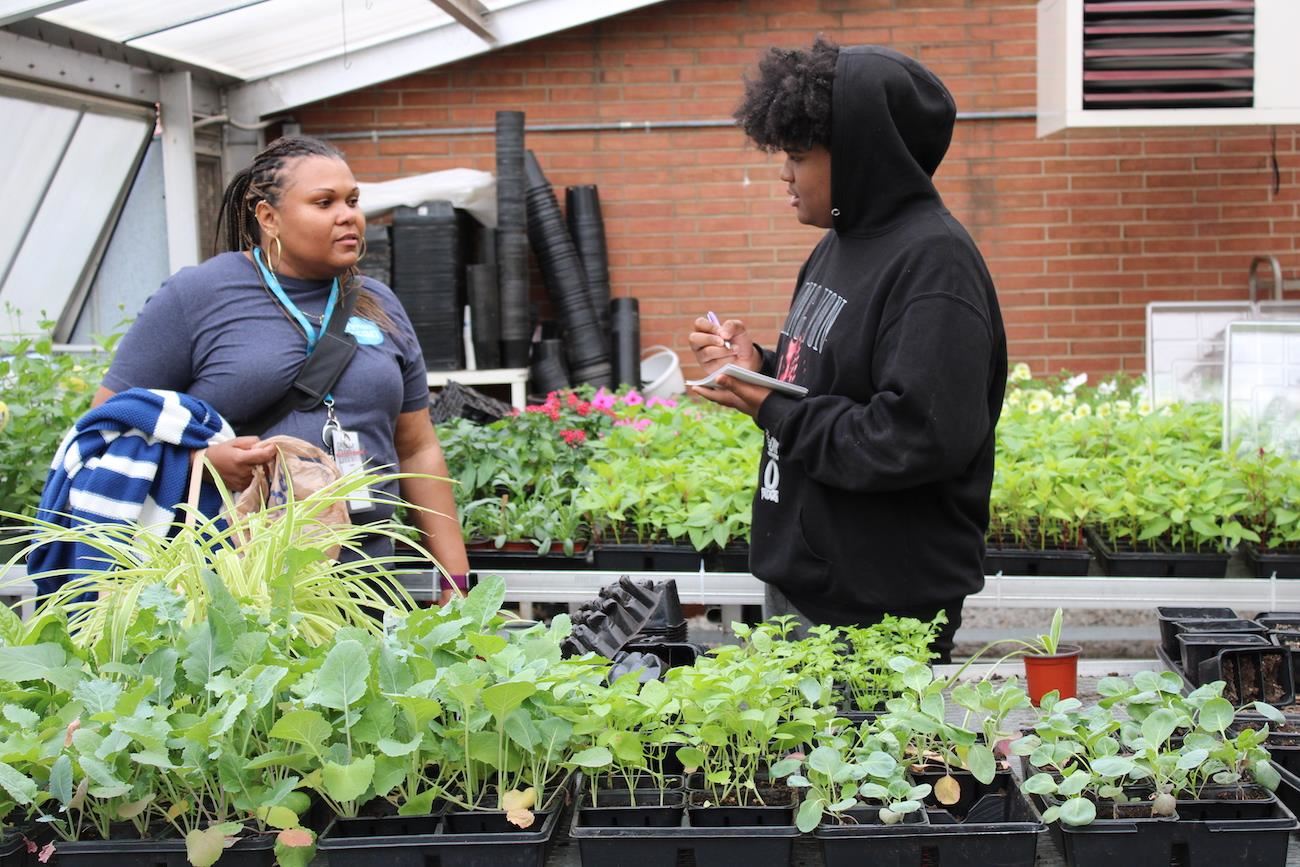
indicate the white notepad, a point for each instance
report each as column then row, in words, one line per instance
column 746, row 375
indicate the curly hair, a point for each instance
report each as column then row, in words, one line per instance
column 788, row 107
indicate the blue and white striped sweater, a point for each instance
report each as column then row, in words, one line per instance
column 125, row 461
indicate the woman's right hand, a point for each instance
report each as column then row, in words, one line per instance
column 235, row 459
column 709, row 343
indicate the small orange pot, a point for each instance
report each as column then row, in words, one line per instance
column 1059, row 672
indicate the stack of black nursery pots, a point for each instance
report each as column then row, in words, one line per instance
column 566, row 281
column 512, row 240
column 429, row 278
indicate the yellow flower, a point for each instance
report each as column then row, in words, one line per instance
column 1058, row 404
column 1083, row 410
column 1015, row 397
column 1066, row 416
column 4, row 415
column 1020, row 373
column 1035, row 406
column 1144, row 407
column 1123, row 408
column 1103, row 410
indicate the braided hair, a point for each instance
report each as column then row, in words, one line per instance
column 264, row 180
column 788, row 107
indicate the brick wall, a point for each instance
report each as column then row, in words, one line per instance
column 1080, row 230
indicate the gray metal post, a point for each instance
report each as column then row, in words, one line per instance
column 180, row 188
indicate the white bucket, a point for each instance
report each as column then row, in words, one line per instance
column 661, row 373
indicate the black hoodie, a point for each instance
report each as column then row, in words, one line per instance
column 874, row 489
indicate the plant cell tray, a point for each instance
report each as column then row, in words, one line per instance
column 1009, row 841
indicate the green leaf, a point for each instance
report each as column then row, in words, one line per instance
column 21, row 716
column 1269, row 713
column 1216, row 715
column 21, row 788
column 594, row 758
column 348, row 782
column 486, row 646
column 418, row 805
column 502, row 698
column 1040, row 784
column 61, row 780
column 305, row 727
column 203, row 848
column 36, row 662
column 982, row 764
column 295, row 848
column 396, row 749
column 810, row 814
column 278, row 817
column 1159, row 726
column 341, row 681
column 1078, row 811
column 1266, row 775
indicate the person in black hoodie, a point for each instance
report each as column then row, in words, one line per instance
column 873, row 494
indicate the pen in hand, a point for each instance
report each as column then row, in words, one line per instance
column 714, row 319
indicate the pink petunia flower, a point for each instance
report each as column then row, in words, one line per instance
column 603, row 400
column 633, row 398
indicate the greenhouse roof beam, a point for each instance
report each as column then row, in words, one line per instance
column 469, row 14
column 417, row 52
column 62, row 67
column 17, row 10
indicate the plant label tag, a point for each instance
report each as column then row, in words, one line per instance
column 346, row 445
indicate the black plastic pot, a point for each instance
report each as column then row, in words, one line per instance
column 625, row 341
column 485, row 314
column 1167, row 615
column 247, row 852
column 487, row 559
column 733, row 558
column 1029, row 561
column 1218, row 803
column 1252, row 674
column 740, row 817
column 653, row 809
column 1007, row 835
column 1196, row 647
column 13, row 850
column 1264, row 563
column 1274, row 619
column 971, row 789
column 1235, row 626
column 673, row 653
column 587, row 228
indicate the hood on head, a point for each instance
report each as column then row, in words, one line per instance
column 891, row 124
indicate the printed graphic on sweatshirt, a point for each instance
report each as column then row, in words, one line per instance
column 815, row 310
column 771, row 488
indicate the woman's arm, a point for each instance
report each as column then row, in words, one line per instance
column 418, row 451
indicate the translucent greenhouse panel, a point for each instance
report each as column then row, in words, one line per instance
column 1261, row 402
column 73, row 212
column 1185, row 349
column 30, row 162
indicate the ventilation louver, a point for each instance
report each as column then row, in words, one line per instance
column 1140, row 54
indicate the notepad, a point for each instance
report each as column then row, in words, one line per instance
column 746, row 375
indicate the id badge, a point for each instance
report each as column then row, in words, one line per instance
column 350, row 458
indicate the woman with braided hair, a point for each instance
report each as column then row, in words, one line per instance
column 236, row 330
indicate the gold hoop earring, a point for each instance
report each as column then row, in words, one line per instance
column 361, row 253
column 274, row 263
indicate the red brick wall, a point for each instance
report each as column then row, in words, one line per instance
column 1080, row 230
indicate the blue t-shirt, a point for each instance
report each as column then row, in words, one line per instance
column 215, row 332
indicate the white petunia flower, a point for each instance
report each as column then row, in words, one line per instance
column 1083, row 410
column 1074, row 382
column 1107, row 388
column 1020, row 373
column 1034, row 407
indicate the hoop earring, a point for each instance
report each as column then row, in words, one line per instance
column 362, row 253
column 271, row 263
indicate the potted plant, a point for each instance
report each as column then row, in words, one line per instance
column 1050, row 666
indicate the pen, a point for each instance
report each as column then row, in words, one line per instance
column 713, row 317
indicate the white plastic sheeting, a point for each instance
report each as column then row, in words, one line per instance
column 471, row 190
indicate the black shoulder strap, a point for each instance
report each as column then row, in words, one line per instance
column 318, row 374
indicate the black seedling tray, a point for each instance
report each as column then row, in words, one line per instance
column 1004, row 831
column 1167, row 615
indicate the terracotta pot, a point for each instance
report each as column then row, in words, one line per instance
column 1059, row 671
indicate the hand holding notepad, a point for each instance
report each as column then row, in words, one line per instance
column 744, row 374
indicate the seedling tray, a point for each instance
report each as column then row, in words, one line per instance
column 1010, row 841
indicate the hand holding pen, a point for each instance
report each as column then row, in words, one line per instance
column 713, row 318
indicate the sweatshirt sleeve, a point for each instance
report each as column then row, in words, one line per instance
column 929, row 414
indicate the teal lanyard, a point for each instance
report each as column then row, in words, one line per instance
column 313, row 336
